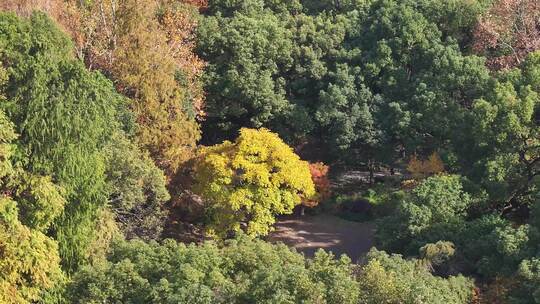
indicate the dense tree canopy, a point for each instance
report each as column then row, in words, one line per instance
column 243, row 271
column 64, row 115
column 501, row 147
column 137, row 189
column 437, row 200
column 392, row 279
column 146, row 48
column 29, row 260
column 375, row 77
column 122, row 119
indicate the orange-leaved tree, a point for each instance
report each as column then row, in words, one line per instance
column 147, row 47
column 249, row 181
column 319, row 175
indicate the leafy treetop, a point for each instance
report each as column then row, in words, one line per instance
column 251, row 180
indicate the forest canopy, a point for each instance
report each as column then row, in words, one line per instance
column 149, row 147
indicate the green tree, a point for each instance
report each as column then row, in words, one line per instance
column 346, row 111
column 436, row 200
column 248, row 54
column 529, row 277
column 501, row 149
column 64, row 115
column 424, row 81
column 488, row 245
column 391, row 279
column 29, row 259
column 267, row 74
column 242, row 270
column 137, row 189
column 369, row 78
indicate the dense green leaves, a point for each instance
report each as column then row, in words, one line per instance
column 391, row 279
column 374, row 83
column 373, row 75
column 504, row 135
column 437, row 200
column 29, row 260
column 242, row 271
column 136, row 189
column 64, row 115
column 244, row 86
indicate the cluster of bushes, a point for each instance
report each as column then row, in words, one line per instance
column 484, row 245
column 244, row 270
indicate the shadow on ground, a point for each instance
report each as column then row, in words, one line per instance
column 309, row 233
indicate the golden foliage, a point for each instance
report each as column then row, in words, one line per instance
column 409, row 184
column 249, row 181
column 29, row 260
column 179, row 22
column 148, row 76
column 145, row 52
column 420, row 169
column 201, row 4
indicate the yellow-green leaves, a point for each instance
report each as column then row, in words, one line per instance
column 7, row 134
column 39, row 199
column 250, row 181
column 29, row 260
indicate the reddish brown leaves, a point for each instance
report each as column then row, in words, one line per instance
column 319, row 175
column 508, row 32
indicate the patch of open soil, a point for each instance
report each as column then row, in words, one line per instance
column 309, row 233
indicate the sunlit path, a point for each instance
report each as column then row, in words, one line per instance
column 309, row 233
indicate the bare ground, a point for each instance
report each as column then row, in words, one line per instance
column 309, row 233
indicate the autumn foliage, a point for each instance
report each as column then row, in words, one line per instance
column 508, row 32
column 147, row 48
column 319, row 175
column 420, row 169
column 65, row 13
column 201, row 4
column 103, row 105
column 250, row 181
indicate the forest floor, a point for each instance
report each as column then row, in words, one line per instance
column 309, row 233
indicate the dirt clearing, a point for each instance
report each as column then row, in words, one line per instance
column 309, row 233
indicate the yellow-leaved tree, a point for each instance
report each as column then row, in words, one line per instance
column 250, row 181
column 149, row 53
column 421, row 169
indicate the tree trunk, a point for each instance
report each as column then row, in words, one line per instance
column 371, row 169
